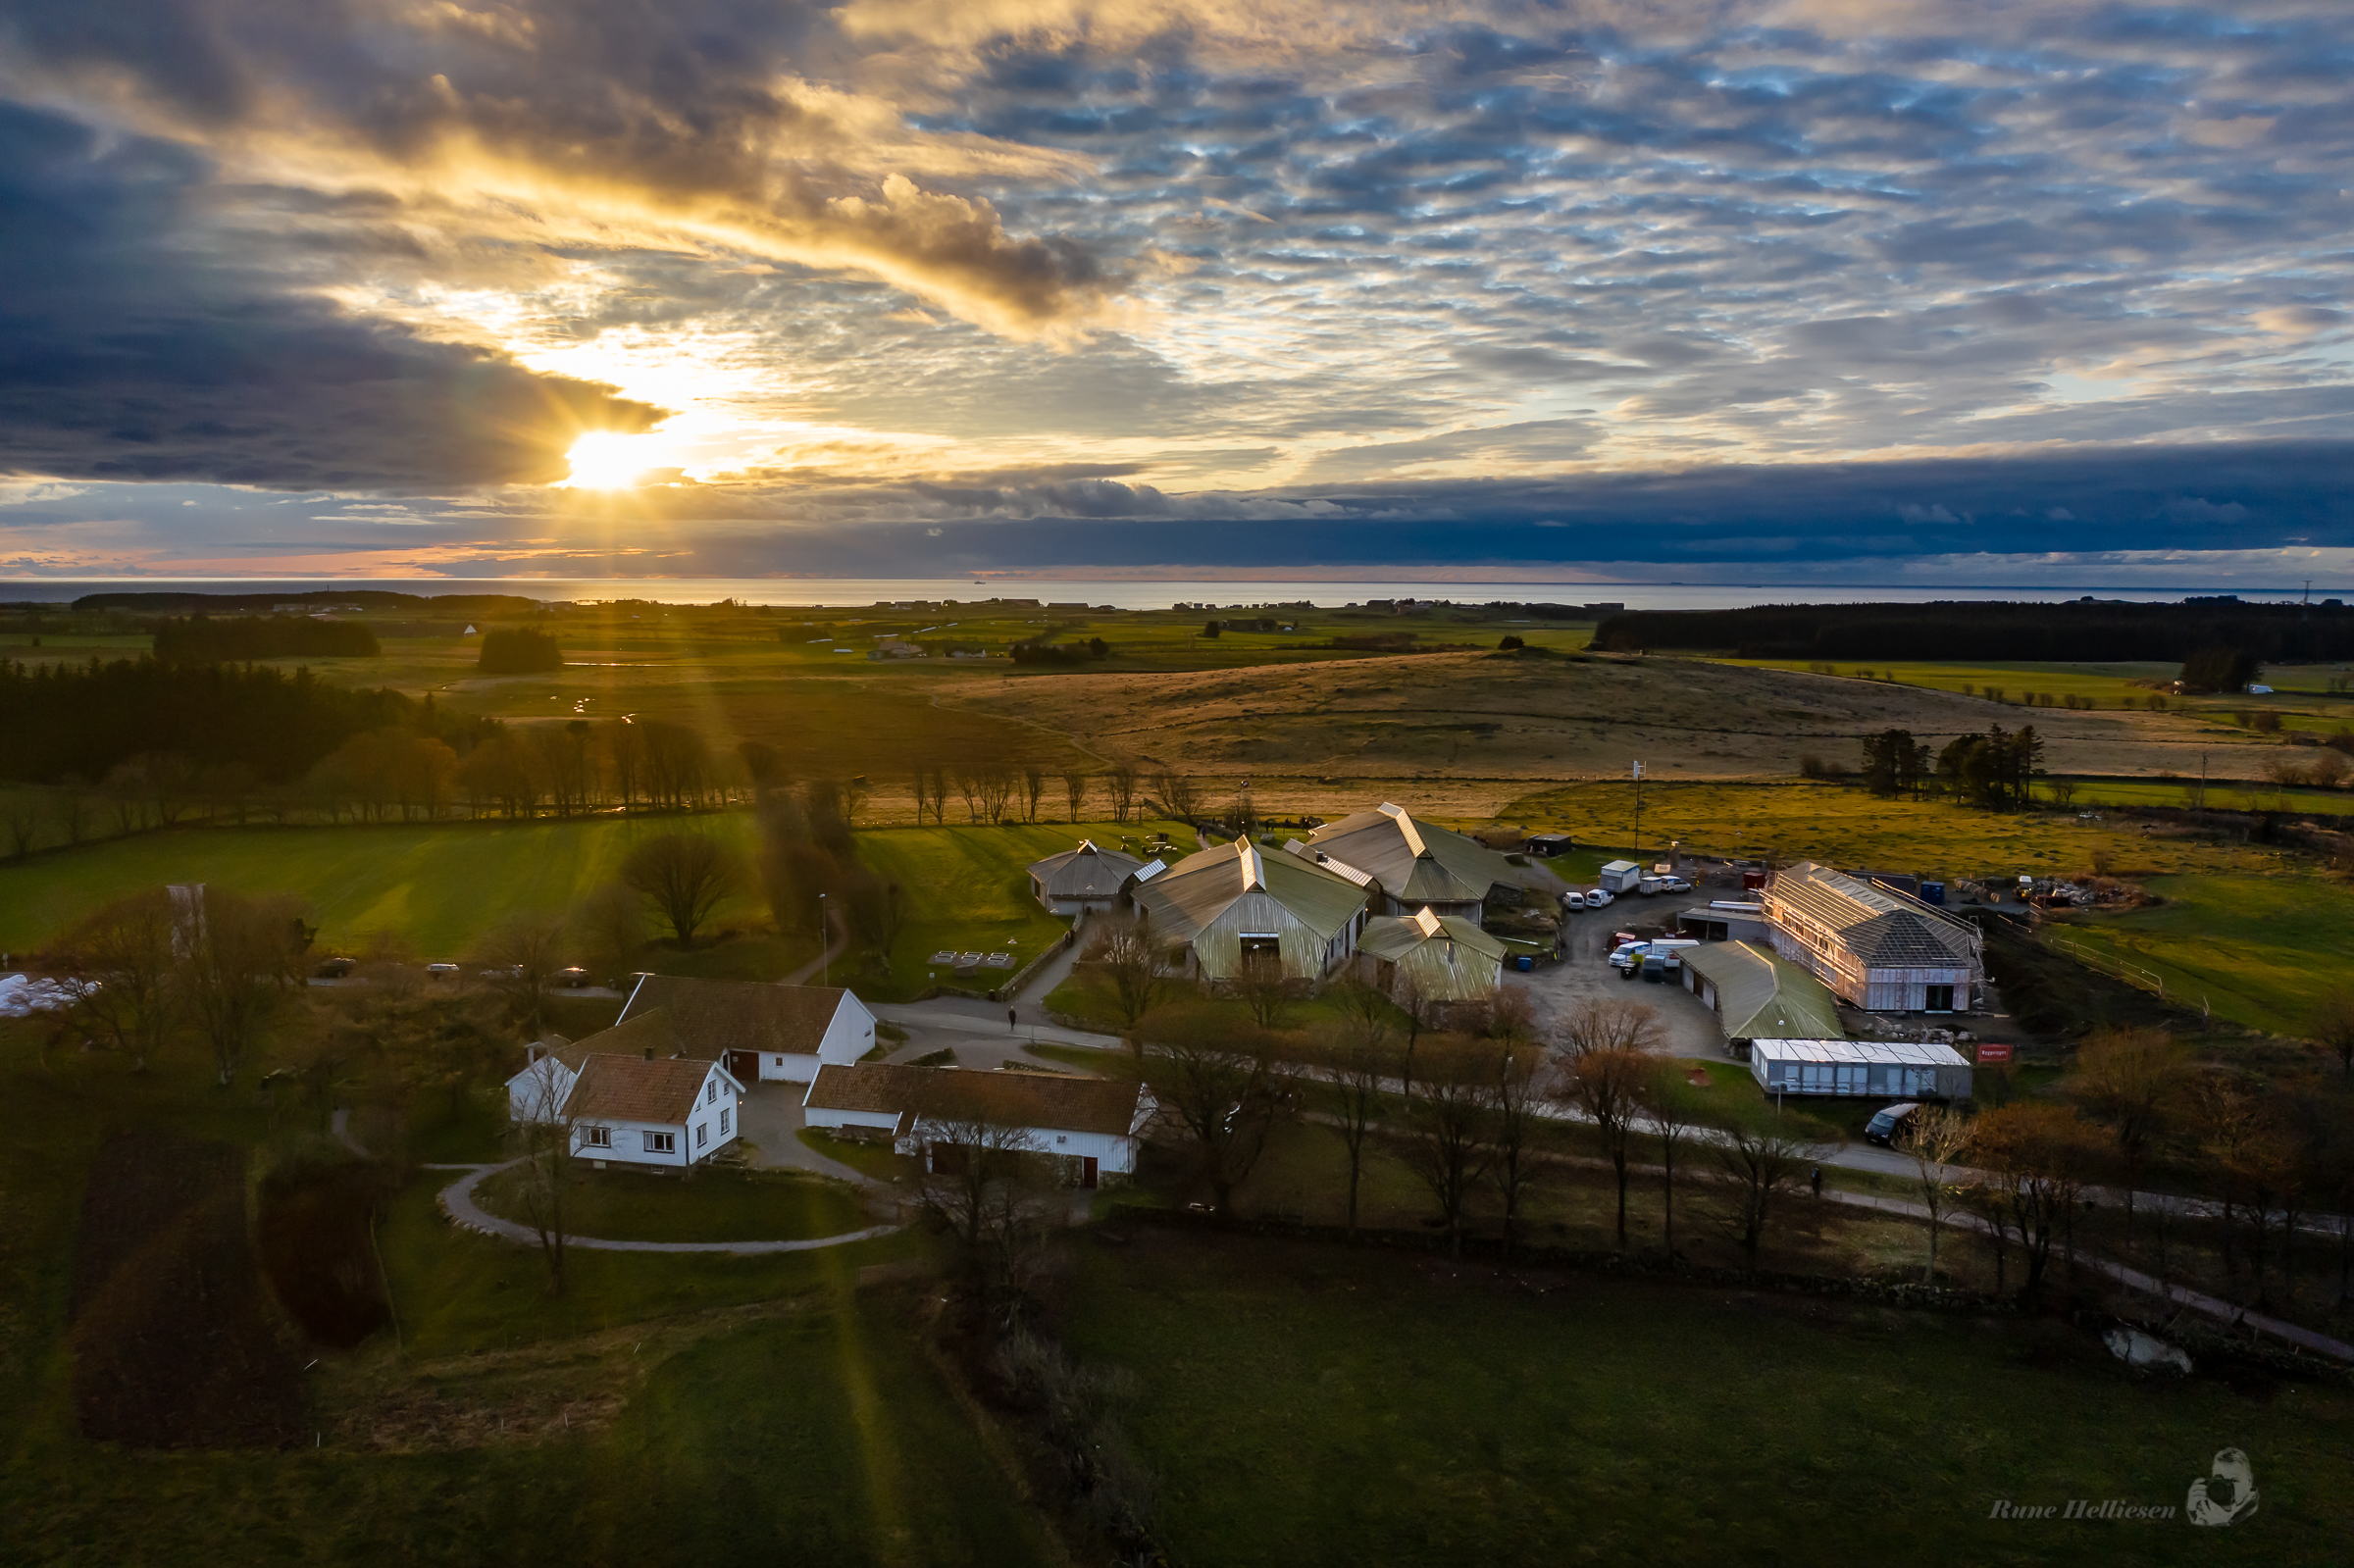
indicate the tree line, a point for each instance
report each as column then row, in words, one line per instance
column 202, row 640
column 2271, row 633
column 1994, row 769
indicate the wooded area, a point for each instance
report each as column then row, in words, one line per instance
column 2107, row 630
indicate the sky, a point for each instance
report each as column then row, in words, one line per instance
column 1785, row 291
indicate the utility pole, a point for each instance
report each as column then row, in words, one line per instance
column 1638, row 774
column 825, row 943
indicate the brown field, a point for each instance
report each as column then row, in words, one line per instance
column 1470, row 731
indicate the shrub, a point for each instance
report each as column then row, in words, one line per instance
column 1510, row 643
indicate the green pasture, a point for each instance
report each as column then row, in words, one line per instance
column 720, row 1204
column 2260, row 952
column 2181, row 794
column 439, row 888
column 1845, row 826
column 1333, row 1406
column 2301, row 693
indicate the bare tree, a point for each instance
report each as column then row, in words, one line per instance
column 1220, row 1090
column 2133, row 1081
column 23, row 824
column 117, row 965
column 519, row 958
column 1265, row 989
column 1764, row 1164
column 854, row 793
column 1178, row 795
column 1668, row 1104
column 2035, row 1158
column 1074, row 790
column 969, row 786
column 1935, row 1138
column 969, row 1161
column 685, row 876
column 549, row 1127
column 71, row 810
column 1605, row 1063
column 1124, row 948
column 611, row 923
column 237, row 965
column 1121, row 780
column 1512, row 1124
column 940, row 797
column 1446, row 1143
column 2333, row 1025
column 1034, row 790
column 1353, row 1059
column 921, row 782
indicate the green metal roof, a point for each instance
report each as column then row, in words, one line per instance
column 1414, row 861
column 1762, row 995
column 1195, row 891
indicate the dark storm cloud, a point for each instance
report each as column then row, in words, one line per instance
column 126, row 352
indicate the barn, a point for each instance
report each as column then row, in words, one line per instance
column 1411, row 865
column 1873, row 946
column 1225, row 906
column 1851, row 1068
column 762, row 1032
column 1430, row 957
column 1088, row 877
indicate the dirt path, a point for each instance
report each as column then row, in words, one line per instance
column 457, row 1201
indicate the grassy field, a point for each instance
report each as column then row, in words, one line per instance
column 437, row 888
column 2300, row 694
column 1310, row 1407
column 1845, row 825
column 716, row 1205
column 2179, row 793
column 2259, row 950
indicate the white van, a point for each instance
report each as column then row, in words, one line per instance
column 1598, row 898
column 1573, row 899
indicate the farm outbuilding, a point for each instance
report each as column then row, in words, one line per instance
column 1876, row 948
column 1433, row 957
column 1088, row 1126
column 1726, row 920
column 1412, row 865
column 1754, row 992
column 763, row 1032
column 1087, row 878
column 1222, row 906
column 1883, row 1068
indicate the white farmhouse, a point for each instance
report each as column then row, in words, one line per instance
column 762, row 1033
column 672, row 1111
column 1088, row 1126
column 550, row 1065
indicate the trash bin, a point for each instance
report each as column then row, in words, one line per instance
column 1527, row 963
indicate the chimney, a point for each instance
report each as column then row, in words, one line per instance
column 650, row 1053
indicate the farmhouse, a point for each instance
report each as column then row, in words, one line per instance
column 1891, row 1069
column 1233, row 904
column 1429, row 957
column 1084, row 879
column 1411, row 865
column 1874, row 947
column 1090, row 1124
column 1755, row 992
column 762, row 1033
column 645, row 1109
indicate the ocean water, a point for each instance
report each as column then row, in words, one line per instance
column 1125, row 594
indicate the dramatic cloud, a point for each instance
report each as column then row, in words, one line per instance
column 1409, row 280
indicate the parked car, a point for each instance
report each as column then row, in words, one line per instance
column 442, row 970
column 336, row 968
column 1598, row 898
column 1625, row 953
column 1891, row 1124
column 1674, row 885
column 1573, row 899
column 1655, row 968
column 575, row 977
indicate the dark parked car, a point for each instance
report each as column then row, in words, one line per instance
column 336, row 968
column 574, row 976
column 1655, row 968
column 1891, row 1125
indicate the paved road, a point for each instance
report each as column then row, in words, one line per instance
column 772, row 1125
column 831, row 955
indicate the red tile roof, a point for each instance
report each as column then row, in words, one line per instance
column 629, row 1088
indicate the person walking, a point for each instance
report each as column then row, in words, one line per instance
column 1814, row 1181
column 1013, row 1022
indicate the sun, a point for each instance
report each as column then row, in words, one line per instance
column 608, row 460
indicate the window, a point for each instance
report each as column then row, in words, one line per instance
column 702, row 1134
column 1061, row 1137
column 1938, row 998
column 722, row 1124
column 661, row 1143
column 596, row 1137
column 779, row 1061
column 710, row 1090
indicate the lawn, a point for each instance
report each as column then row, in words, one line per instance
column 1845, row 825
column 2260, row 950
column 1328, row 1406
column 969, row 891
column 713, row 1205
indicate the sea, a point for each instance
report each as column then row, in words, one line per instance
column 1154, row 594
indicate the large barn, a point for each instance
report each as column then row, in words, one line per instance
column 1874, row 947
column 1426, row 957
column 1411, row 865
column 1088, row 877
column 1224, row 906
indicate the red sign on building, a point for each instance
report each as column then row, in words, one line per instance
column 1992, row 1051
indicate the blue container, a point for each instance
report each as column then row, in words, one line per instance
column 1526, row 963
column 1932, row 892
